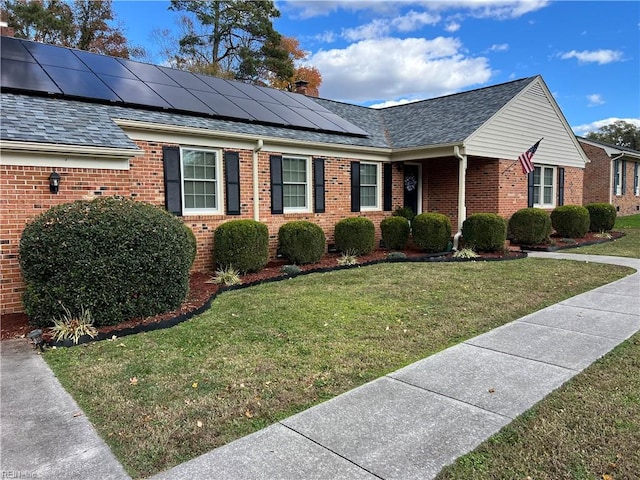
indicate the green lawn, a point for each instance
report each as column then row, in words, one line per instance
column 263, row 353
column 627, row 246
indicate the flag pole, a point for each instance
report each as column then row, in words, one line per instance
column 516, row 160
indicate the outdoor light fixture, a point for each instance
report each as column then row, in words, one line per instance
column 54, row 182
column 36, row 339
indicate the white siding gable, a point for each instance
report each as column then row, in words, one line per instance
column 528, row 117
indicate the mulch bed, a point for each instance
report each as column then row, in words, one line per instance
column 202, row 292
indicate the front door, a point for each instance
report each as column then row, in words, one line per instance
column 411, row 186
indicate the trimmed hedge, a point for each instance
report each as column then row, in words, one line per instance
column 241, row 244
column 602, row 216
column 356, row 235
column 395, row 232
column 432, row 231
column 530, row 226
column 570, row 221
column 301, row 242
column 484, row 232
column 406, row 212
column 119, row 259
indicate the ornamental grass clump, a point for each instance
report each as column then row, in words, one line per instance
column 118, row 258
column 73, row 327
column 227, row 276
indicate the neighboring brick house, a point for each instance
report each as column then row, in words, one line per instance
column 212, row 150
column 612, row 176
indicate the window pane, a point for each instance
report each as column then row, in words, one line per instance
column 536, row 196
column 200, row 176
column 536, row 176
column 294, row 196
column 294, row 170
column 368, row 196
column 548, row 195
column 368, row 174
column 548, row 177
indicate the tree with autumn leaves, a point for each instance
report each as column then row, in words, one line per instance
column 83, row 24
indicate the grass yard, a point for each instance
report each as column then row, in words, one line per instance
column 627, row 246
column 266, row 352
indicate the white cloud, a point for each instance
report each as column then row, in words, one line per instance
column 389, row 68
column 393, row 103
column 598, row 56
column 380, row 28
column 582, row 130
column 326, row 37
column 503, row 47
column 595, row 99
column 452, row 27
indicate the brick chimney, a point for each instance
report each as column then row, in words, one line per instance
column 6, row 30
column 301, row 87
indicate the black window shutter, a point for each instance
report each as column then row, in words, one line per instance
column 387, row 183
column 172, row 180
column 560, row 186
column 624, row 176
column 355, row 186
column 232, row 182
column 277, row 199
column 531, row 187
column 318, row 185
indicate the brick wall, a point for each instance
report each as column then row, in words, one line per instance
column 627, row 203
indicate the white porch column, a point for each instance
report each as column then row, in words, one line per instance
column 462, row 206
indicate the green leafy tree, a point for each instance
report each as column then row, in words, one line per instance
column 620, row 133
column 84, row 24
column 229, row 38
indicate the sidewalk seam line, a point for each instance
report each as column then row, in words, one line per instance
column 526, row 358
column 571, row 331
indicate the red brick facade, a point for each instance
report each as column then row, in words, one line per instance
column 492, row 186
column 598, row 181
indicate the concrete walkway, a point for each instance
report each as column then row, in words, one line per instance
column 406, row 425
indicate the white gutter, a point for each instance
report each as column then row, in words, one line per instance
column 462, row 207
column 256, row 185
column 613, row 176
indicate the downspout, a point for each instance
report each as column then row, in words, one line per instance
column 613, row 176
column 462, row 207
column 256, row 186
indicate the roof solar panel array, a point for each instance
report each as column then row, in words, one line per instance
column 52, row 70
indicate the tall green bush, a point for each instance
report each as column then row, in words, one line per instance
column 484, row 232
column 301, row 242
column 118, row 259
column 530, row 226
column 355, row 235
column 395, row 232
column 241, row 244
column 431, row 231
column 570, row 221
column 602, row 216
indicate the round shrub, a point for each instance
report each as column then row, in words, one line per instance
column 432, row 231
column 484, row 232
column 570, row 221
column 118, row 259
column 395, row 232
column 602, row 216
column 530, row 226
column 241, row 244
column 406, row 212
column 355, row 235
column 301, row 242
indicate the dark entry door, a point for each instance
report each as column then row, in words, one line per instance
column 411, row 183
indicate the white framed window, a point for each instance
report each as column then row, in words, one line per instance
column 201, row 181
column 370, row 181
column 544, row 187
column 296, row 184
column 636, row 179
column 617, row 177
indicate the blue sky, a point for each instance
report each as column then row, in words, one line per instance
column 387, row 52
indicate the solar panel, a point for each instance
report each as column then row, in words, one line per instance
column 221, row 105
column 222, row 86
column 26, row 76
column 103, row 64
column 56, row 56
column 134, row 91
column 13, row 49
column 179, row 98
column 186, row 79
column 80, row 84
column 147, row 72
column 49, row 69
column 289, row 116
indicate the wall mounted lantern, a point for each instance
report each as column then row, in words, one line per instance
column 54, row 182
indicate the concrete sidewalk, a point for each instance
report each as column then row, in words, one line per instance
column 406, row 425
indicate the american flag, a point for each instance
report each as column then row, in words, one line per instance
column 525, row 158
